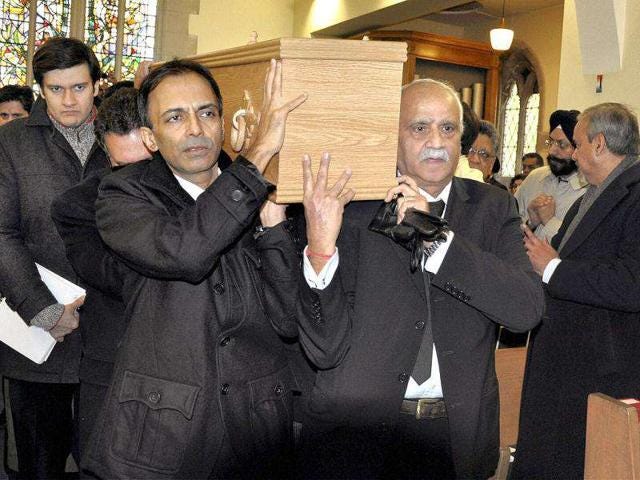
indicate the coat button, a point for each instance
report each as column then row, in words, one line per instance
column 419, row 325
column 225, row 341
column 219, row 288
column 224, row 390
column 237, row 195
column 153, row 397
column 403, row 377
column 278, row 389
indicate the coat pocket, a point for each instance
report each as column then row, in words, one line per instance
column 153, row 421
column 271, row 412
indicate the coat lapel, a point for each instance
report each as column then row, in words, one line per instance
column 458, row 197
column 160, row 177
column 601, row 208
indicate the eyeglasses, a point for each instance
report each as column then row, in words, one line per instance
column 483, row 154
column 561, row 144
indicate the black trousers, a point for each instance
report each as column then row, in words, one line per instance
column 406, row 449
column 42, row 415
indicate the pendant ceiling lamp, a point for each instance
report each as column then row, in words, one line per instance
column 501, row 37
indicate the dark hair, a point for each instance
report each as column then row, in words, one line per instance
column 169, row 69
column 520, row 176
column 115, row 87
column 60, row 53
column 118, row 114
column 17, row 93
column 471, row 128
column 536, row 155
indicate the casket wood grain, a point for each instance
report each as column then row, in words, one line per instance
column 352, row 108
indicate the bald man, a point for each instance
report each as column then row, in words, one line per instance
column 406, row 385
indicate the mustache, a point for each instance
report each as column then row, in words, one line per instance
column 437, row 153
column 199, row 142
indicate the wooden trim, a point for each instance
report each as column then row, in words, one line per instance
column 491, row 86
column 442, row 48
column 445, row 49
column 306, row 48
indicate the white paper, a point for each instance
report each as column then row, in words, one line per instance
column 36, row 343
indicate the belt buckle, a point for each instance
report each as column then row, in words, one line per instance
column 425, row 409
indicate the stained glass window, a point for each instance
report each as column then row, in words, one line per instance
column 14, row 34
column 531, row 123
column 139, row 35
column 510, row 132
column 137, row 31
column 52, row 20
column 104, row 32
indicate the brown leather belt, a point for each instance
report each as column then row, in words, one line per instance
column 424, row 408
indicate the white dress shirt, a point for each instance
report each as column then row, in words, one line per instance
column 564, row 190
column 432, row 387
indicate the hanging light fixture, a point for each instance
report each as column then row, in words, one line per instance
column 501, row 37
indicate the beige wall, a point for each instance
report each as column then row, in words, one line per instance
column 312, row 15
column 540, row 32
column 228, row 23
column 577, row 90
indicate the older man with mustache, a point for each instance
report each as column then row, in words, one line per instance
column 406, row 386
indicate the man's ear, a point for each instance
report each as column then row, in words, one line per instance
column 96, row 88
column 600, row 143
column 148, row 139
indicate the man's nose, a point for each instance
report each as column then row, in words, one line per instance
column 68, row 98
column 432, row 137
column 195, row 127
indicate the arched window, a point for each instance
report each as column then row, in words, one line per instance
column 510, row 130
column 121, row 32
column 519, row 111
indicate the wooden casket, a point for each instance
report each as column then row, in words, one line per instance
column 352, row 109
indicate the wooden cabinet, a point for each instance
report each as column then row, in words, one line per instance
column 448, row 58
column 352, row 110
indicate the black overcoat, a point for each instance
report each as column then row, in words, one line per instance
column 201, row 382
column 36, row 164
column 589, row 337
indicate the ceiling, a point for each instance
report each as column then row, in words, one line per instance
column 512, row 7
column 468, row 12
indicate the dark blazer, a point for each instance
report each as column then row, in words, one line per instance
column 362, row 330
column 201, row 383
column 36, row 164
column 589, row 338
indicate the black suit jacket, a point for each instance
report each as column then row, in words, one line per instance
column 589, row 338
column 361, row 330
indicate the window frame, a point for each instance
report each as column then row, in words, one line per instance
column 519, row 69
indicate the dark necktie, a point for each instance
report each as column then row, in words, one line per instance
column 436, row 208
column 422, row 368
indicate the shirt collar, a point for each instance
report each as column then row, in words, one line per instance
column 443, row 195
column 576, row 180
column 191, row 188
